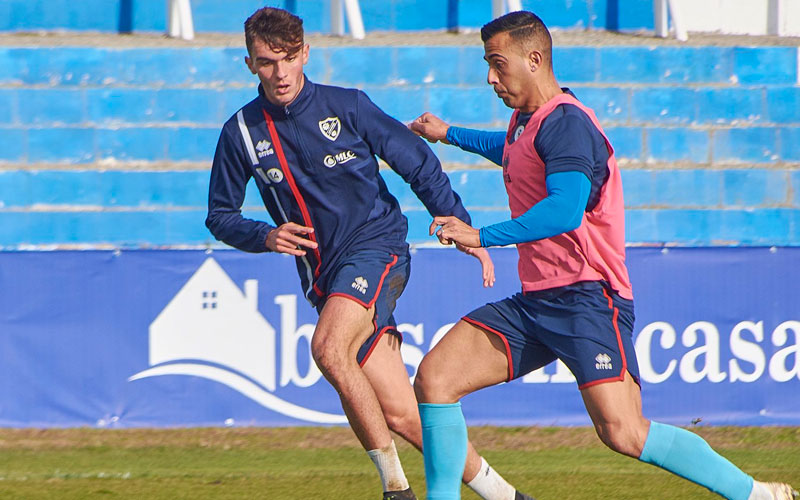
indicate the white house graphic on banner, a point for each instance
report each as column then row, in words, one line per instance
column 211, row 329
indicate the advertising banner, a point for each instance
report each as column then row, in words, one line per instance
column 214, row 338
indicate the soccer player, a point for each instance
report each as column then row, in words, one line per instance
column 311, row 150
column 576, row 302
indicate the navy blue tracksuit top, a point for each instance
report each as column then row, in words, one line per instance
column 314, row 164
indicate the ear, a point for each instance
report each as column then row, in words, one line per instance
column 306, row 50
column 535, row 60
column 250, row 65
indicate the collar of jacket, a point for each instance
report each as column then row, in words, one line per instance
column 300, row 102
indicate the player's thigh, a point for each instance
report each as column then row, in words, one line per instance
column 343, row 326
column 590, row 329
column 613, row 402
column 468, row 358
column 372, row 280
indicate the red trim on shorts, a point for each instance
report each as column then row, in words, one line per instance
column 621, row 376
column 385, row 329
column 344, row 295
column 276, row 141
column 503, row 338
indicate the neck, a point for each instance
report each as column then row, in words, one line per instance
column 299, row 89
column 542, row 92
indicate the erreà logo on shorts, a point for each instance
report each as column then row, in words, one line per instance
column 603, row 362
column 330, row 127
column 360, row 284
column 264, row 148
column 331, row 161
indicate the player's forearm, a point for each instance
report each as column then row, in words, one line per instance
column 561, row 211
column 440, row 199
column 488, row 144
column 239, row 232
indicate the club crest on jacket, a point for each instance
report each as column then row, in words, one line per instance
column 330, row 127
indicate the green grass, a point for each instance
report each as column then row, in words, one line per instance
column 304, row 463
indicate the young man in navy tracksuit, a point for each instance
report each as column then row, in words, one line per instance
column 311, row 150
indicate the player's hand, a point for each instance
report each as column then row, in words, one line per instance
column 454, row 230
column 290, row 238
column 430, row 127
column 487, row 266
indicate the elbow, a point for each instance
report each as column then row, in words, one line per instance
column 574, row 222
column 211, row 223
column 215, row 225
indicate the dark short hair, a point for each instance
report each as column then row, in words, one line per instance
column 280, row 29
column 526, row 28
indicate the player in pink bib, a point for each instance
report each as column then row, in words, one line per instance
column 576, row 302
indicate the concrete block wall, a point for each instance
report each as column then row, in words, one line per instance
column 709, row 137
column 689, row 207
column 378, row 15
column 709, row 106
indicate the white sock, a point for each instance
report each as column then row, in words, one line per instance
column 490, row 485
column 760, row 492
column 389, row 468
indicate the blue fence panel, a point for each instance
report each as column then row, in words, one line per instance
column 166, row 338
column 228, row 15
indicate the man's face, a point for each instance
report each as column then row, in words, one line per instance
column 510, row 72
column 280, row 73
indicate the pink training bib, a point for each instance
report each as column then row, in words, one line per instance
column 596, row 249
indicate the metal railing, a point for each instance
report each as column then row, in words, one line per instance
column 350, row 8
column 179, row 19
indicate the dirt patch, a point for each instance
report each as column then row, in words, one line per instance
column 484, row 438
column 377, row 38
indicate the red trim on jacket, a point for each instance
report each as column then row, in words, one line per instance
column 276, row 141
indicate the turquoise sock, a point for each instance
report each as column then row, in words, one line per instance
column 444, row 443
column 688, row 455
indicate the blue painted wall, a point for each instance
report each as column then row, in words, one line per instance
column 708, row 136
column 382, row 15
column 697, row 105
column 694, row 207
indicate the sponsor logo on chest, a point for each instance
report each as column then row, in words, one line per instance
column 339, row 158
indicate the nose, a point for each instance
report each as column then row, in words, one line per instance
column 491, row 77
column 281, row 70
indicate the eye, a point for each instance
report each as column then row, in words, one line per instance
column 291, row 58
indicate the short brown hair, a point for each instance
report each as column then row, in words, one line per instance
column 280, row 29
column 525, row 28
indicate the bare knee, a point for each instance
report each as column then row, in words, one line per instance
column 431, row 384
column 626, row 438
column 331, row 358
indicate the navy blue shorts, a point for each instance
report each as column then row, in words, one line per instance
column 586, row 325
column 371, row 277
